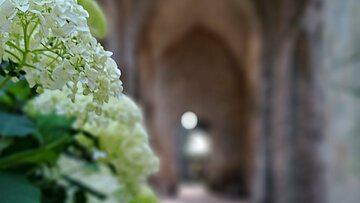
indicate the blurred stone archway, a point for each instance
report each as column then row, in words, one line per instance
column 218, row 52
column 274, row 48
column 199, row 74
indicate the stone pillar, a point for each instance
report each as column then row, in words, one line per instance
column 292, row 119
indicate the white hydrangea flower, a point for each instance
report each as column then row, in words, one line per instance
column 51, row 41
column 7, row 10
column 122, row 138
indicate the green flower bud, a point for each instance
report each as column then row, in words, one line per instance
column 97, row 19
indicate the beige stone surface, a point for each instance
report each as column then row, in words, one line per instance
column 197, row 194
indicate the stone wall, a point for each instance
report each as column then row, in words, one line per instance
column 342, row 58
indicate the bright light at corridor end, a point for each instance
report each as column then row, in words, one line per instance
column 189, row 120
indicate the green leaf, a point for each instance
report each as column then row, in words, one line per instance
column 54, row 132
column 53, row 192
column 5, row 100
column 28, row 157
column 5, row 143
column 80, row 196
column 15, row 125
column 145, row 199
column 146, row 195
column 52, row 127
column 21, row 90
column 53, row 121
column 17, row 189
column 97, row 19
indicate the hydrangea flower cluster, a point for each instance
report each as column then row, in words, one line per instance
column 51, row 44
column 123, row 140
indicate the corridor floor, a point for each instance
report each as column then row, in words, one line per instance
column 197, row 194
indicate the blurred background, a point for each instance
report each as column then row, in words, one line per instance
column 245, row 100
